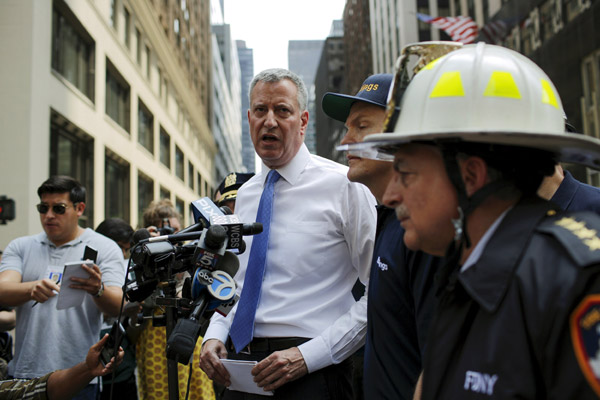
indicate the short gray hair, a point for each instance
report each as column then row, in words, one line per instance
column 278, row 74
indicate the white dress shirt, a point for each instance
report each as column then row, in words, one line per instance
column 321, row 240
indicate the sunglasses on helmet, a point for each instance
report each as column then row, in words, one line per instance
column 60, row 208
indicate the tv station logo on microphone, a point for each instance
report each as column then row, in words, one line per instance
column 233, row 226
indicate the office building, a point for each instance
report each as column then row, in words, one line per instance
column 115, row 93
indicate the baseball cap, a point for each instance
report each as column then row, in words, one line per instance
column 374, row 90
column 230, row 185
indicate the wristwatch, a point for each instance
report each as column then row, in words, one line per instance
column 101, row 291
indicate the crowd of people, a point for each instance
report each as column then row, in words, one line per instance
column 479, row 254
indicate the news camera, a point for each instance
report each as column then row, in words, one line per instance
column 208, row 251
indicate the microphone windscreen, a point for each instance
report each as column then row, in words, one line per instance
column 229, row 263
column 226, row 210
column 139, row 235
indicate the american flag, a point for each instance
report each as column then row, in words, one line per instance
column 460, row 29
column 494, row 31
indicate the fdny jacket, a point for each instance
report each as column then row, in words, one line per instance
column 524, row 321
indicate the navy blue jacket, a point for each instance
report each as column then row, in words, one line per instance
column 399, row 309
column 576, row 196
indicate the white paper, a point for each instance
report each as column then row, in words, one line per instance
column 69, row 297
column 241, row 378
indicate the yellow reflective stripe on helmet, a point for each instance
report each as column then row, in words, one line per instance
column 449, row 85
column 548, row 96
column 502, row 84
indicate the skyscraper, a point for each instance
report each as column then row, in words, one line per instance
column 303, row 58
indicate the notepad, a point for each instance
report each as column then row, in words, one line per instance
column 241, row 377
column 69, row 297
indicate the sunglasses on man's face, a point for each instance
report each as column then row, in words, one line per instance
column 60, row 208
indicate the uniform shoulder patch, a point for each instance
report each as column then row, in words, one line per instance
column 578, row 232
column 585, row 335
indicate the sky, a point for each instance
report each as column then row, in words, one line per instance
column 268, row 25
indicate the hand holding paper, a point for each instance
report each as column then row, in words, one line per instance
column 70, row 295
column 241, row 377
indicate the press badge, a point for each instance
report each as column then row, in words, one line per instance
column 54, row 273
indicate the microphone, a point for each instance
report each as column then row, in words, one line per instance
column 139, row 235
column 210, row 247
column 229, row 263
column 227, row 211
column 203, row 209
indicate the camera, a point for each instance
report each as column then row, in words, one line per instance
column 207, row 250
column 166, row 228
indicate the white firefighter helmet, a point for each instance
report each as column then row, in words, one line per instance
column 487, row 94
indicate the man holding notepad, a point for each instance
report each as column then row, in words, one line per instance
column 27, row 276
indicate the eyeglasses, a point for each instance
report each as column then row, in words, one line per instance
column 60, row 208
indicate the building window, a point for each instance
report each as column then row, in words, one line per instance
column 72, row 50
column 148, row 62
column 199, row 184
column 180, row 207
column 138, row 39
column 165, row 148
column 191, row 175
column 113, row 13
column 117, row 96
column 590, row 77
column 165, row 193
column 72, row 154
column 116, row 187
column 145, row 127
column 179, row 163
column 145, row 195
column 127, row 28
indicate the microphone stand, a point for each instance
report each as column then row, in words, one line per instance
column 170, row 301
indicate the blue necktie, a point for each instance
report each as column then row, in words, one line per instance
column 242, row 328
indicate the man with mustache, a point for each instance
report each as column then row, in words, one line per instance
column 520, row 289
column 296, row 315
column 401, row 298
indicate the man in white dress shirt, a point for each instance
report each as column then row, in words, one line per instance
column 307, row 323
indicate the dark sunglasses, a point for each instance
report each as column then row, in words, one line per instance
column 56, row 209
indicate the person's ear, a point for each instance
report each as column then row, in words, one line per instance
column 303, row 121
column 474, row 173
column 80, row 208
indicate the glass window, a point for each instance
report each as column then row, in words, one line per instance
column 72, row 51
column 145, row 127
column 165, row 148
column 117, row 96
column 165, row 193
column 191, row 175
column 145, row 195
column 113, row 13
column 199, row 184
column 180, row 207
column 179, row 163
column 138, row 36
column 116, row 188
column 72, row 154
column 127, row 28
column 148, row 62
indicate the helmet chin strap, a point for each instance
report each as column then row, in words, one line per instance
column 449, row 272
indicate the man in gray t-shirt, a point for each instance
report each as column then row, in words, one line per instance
column 47, row 339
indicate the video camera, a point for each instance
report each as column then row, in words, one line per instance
column 209, row 256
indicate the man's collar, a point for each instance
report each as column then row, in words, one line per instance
column 44, row 239
column 487, row 281
column 292, row 170
column 566, row 191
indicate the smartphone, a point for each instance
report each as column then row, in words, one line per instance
column 90, row 254
column 115, row 337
